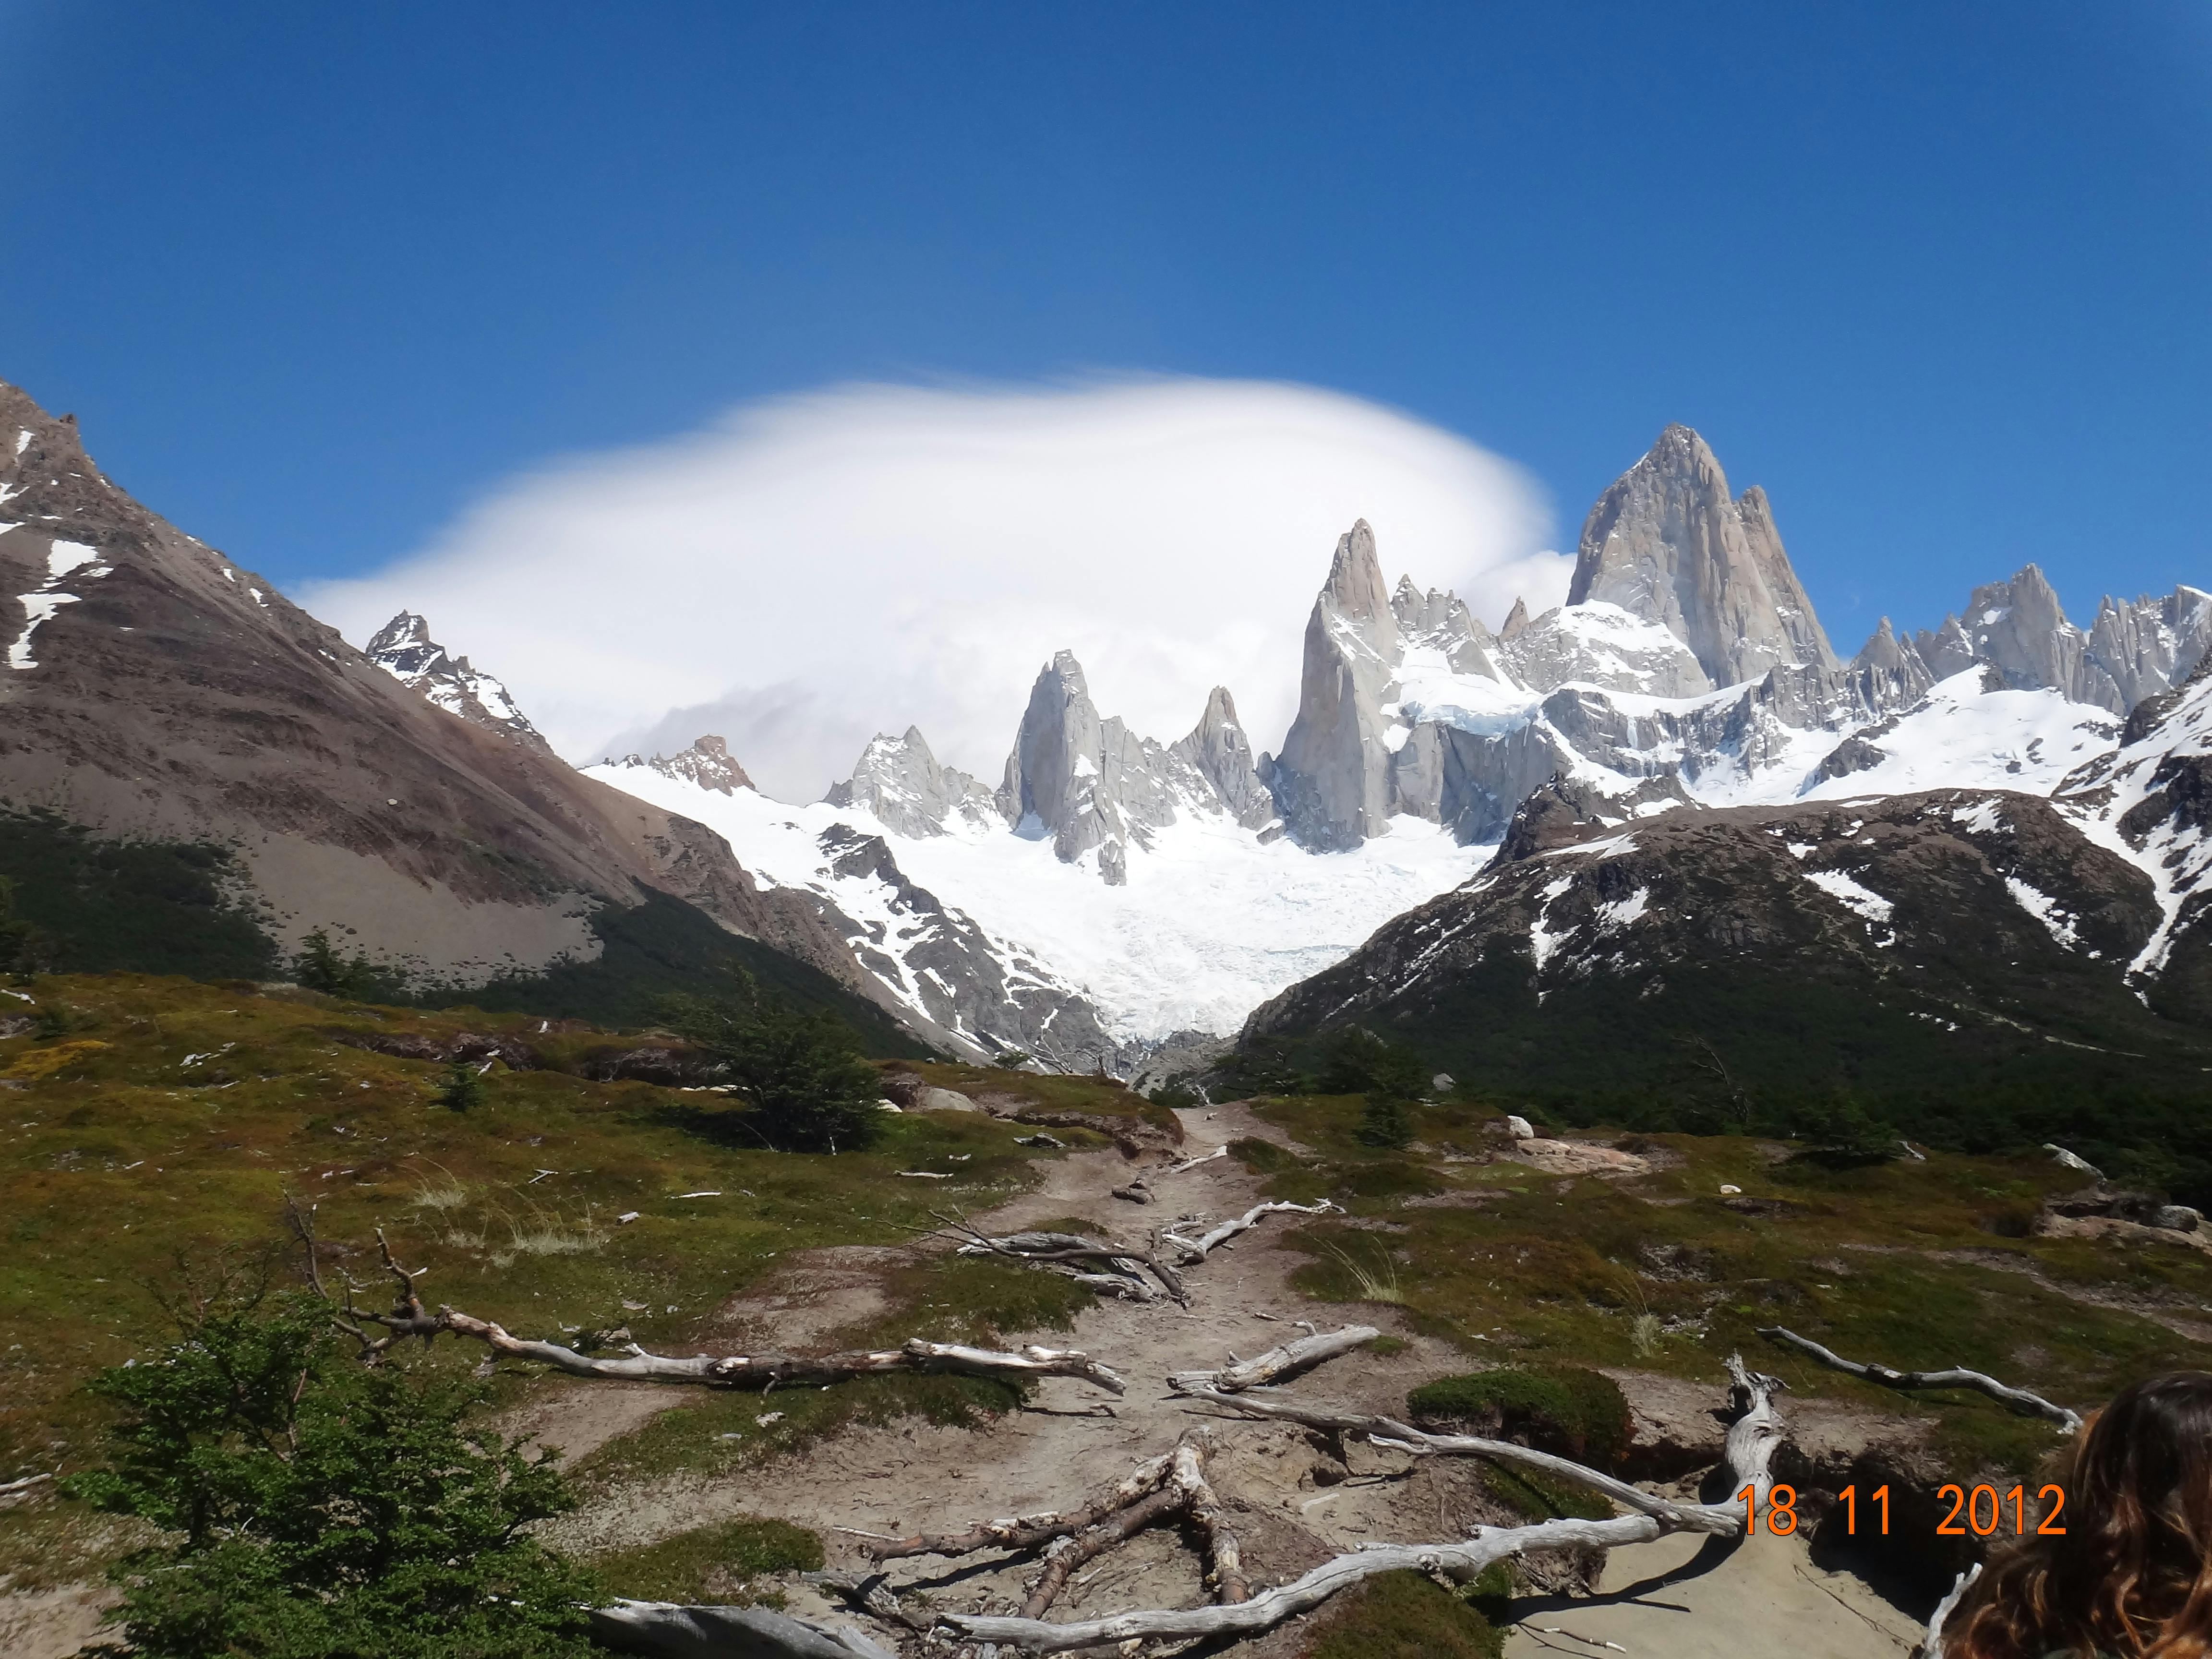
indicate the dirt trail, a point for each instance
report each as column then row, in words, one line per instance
column 1292, row 1504
column 1657, row 1601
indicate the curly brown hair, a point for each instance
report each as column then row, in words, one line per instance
column 2132, row 1576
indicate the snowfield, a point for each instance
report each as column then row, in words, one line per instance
column 1210, row 924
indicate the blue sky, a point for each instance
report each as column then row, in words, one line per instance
column 314, row 278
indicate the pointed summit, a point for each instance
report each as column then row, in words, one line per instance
column 1217, row 748
column 1332, row 780
column 403, row 648
column 1667, row 544
column 899, row 781
column 1516, row 619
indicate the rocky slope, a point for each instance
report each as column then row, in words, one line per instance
column 155, row 691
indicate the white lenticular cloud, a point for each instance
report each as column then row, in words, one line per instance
column 810, row 571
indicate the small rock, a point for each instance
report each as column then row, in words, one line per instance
column 2073, row 1161
column 2176, row 1218
column 928, row 1099
column 769, row 1418
column 1726, row 1189
column 626, row 1218
column 1519, row 1129
column 1442, row 1082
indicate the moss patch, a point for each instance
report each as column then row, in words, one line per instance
column 1403, row 1615
column 716, row 1563
column 1564, row 1409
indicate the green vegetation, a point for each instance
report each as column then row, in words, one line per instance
column 461, row 1086
column 146, row 1119
column 666, row 948
column 84, row 905
column 1724, row 1051
column 1566, row 1409
column 1404, row 1615
column 311, row 1505
column 714, row 1565
column 319, row 967
column 1914, row 1264
column 807, row 1091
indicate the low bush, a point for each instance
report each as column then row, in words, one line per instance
column 1563, row 1409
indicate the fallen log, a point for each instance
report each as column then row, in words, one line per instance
column 669, row 1630
column 2032, row 1405
column 1721, row 1520
column 409, row 1318
column 1235, row 1612
column 1063, row 1249
column 1459, row 1562
column 1021, row 1532
column 1289, row 1360
column 1197, row 1249
column 775, row 1370
column 1171, row 1486
column 1194, row 1162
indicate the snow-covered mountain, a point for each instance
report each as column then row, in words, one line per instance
column 403, row 648
column 1112, row 892
column 1111, row 889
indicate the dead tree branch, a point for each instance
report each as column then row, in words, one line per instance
column 1288, row 1360
column 669, row 1630
column 1748, row 1452
column 741, row 1370
column 1932, row 1647
column 408, row 1318
column 2033, row 1405
column 1197, row 1249
column 1724, row 1520
column 1461, row 1562
column 1023, row 1532
column 1063, row 1251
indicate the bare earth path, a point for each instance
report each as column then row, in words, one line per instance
column 1292, row 1505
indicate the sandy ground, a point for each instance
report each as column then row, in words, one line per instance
column 50, row 1624
column 1666, row 1600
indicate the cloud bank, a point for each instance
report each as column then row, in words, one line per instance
column 807, row 572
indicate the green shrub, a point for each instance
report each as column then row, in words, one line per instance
column 808, row 1090
column 317, row 1508
column 1563, row 1409
column 1262, row 1156
column 1404, row 1615
column 1383, row 1123
column 461, row 1087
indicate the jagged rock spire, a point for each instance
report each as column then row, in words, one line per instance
column 1667, row 543
column 403, row 648
column 1332, row 781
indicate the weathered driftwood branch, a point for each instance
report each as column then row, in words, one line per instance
column 1063, row 1251
column 668, row 1630
column 741, row 1370
column 1197, row 1249
column 1224, row 1560
column 409, row 1318
column 1757, row 1432
column 1459, row 1562
column 1171, row 1486
column 1022, row 1532
column 1654, row 1517
column 2020, row 1399
column 1721, row 1520
column 1932, row 1646
column 1192, row 1162
column 1286, row 1361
